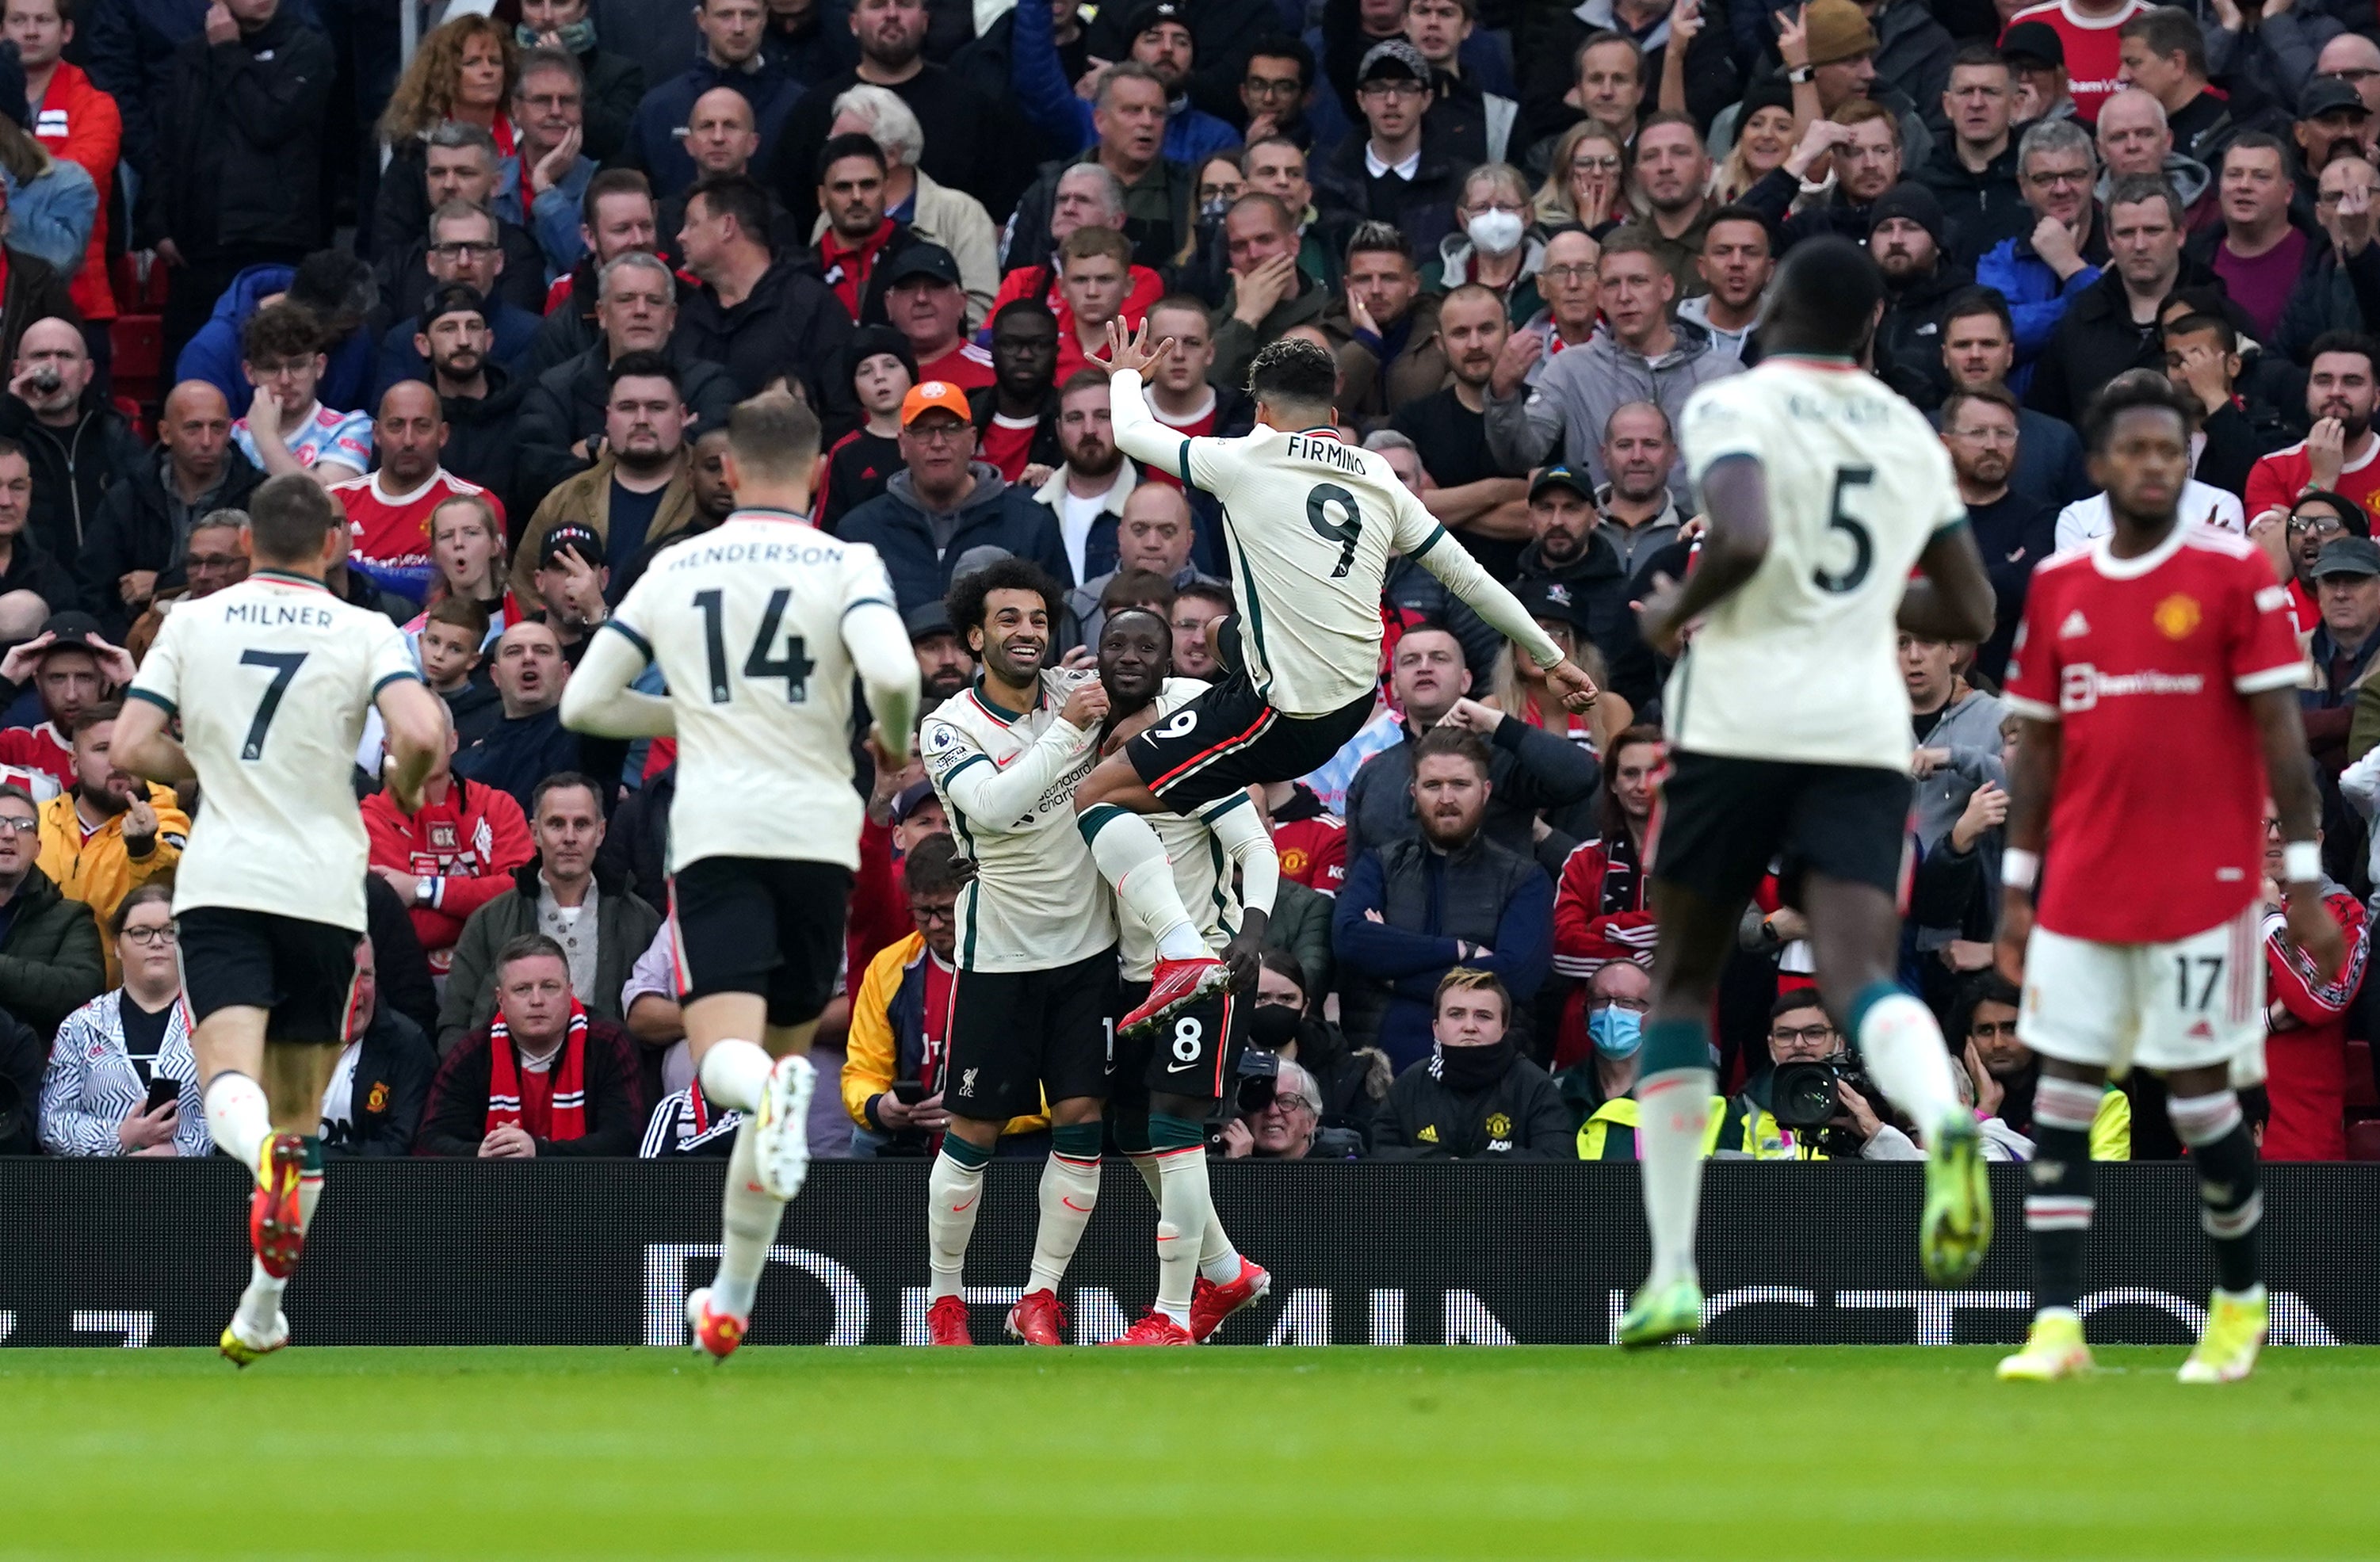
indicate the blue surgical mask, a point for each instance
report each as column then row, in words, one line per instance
column 1616, row 1032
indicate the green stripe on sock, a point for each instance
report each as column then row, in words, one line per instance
column 1131, row 1130
column 1867, row 998
column 1167, row 1132
column 311, row 1160
column 1076, row 1141
column 963, row 1153
column 1674, row 1044
column 1095, row 818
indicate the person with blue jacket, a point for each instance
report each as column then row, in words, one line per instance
column 1161, row 40
column 2041, row 272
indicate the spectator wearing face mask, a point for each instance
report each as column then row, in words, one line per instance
column 1602, row 915
column 1475, row 1098
column 1350, row 1082
column 1601, row 1089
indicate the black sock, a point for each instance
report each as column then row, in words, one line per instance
column 2230, row 1201
column 2057, row 1211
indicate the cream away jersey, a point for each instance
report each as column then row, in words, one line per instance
column 746, row 624
column 271, row 679
column 1007, row 779
column 1800, row 663
column 1312, row 523
column 1202, row 874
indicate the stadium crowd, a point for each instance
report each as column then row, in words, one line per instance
column 502, row 307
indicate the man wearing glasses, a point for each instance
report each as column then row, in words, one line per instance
column 1275, row 89
column 1389, row 175
column 2041, row 272
column 2015, row 531
column 50, row 960
column 2346, row 589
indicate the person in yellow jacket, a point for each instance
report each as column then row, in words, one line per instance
column 898, row 1016
column 112, row 832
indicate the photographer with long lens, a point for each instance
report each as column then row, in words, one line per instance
column 1813, row 1102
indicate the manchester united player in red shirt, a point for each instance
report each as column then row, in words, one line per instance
column 2156, row 675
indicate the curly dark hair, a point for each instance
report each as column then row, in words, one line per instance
column 1294, row 370
column 966, row 601
column 2124, row 394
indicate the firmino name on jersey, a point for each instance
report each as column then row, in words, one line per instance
column 273, row 614
column 1331, row 453
column 692, row 556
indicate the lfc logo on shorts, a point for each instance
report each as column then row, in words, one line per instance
column 2177, row 617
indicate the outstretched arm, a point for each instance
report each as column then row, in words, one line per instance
column 598, row 699
column 1460, row 573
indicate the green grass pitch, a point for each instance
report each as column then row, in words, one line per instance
column 1242, row 1454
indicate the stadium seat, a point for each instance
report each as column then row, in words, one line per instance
column 2360, row 1095
column 138, row 342
column 2363, row 1140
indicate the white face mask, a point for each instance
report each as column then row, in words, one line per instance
column 1495, row 232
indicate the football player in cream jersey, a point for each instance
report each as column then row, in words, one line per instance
column 1312, row 523
column 759, row 627
column 1034, row 998
column 1789, row 737
column 271, row 680
column 1162, row 1086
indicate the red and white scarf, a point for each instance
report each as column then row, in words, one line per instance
column 562, row 1113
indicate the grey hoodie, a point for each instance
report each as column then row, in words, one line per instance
column 1582, row 388
column 2188, row 176
column 1970, row 731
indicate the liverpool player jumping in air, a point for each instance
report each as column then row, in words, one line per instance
column 2156, row 674
column 1312, row 523
column 1789, row 731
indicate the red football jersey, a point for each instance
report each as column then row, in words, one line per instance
column 1313, row 852
column 2275, row 480
column 2157, row 830
column 1197, row 427
column 393, row 534
column 2094, row 54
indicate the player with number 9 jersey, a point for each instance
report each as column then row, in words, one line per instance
column 271, row 679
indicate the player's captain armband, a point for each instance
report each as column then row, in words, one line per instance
column 2019, row 869
column 2301, row 862
column 2272, row 599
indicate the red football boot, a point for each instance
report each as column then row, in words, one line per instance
column 946, row 1322
column 1037, row 1319
column 1177, row 985
column 1154, row 1329
column 1211, row 1304
column 274, row 1221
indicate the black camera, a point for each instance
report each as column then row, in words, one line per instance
column 1259, row 1077
column 1805, row 1097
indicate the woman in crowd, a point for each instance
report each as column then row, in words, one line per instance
column 466, row 543
column 51, row 202
column 121, row 1078
column 1764, row 138
column 1586, row 180
column 1519, row 686
column 1493, row 246
column 1285, row 1020
column 464, row 71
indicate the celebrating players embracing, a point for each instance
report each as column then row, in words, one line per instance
column 270, row 680
column 2155, row 674
column 1036, row 992
column 1312, row 524
column 1164, row 1083
column 1789, row 736
column 759, row 627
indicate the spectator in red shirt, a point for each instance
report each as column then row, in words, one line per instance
column 1600, row 911
column 450, row 858
column 924, row 301
column 1095, row 276
column 73, row 668
column 74, row 120
column 1312, row 839
column 1016, row 418
column 540, row 1079
column 2305, row 1051
column 859, row 235
column 2339, row 454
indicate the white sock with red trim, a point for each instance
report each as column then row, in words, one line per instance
column 748, row 1225
column 1131, row 858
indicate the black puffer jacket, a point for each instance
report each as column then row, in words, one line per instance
column 73, row 468
column 1909, row 338
column 133, row 529
column 50, row 964
column 790, row 324
column 240, row 154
